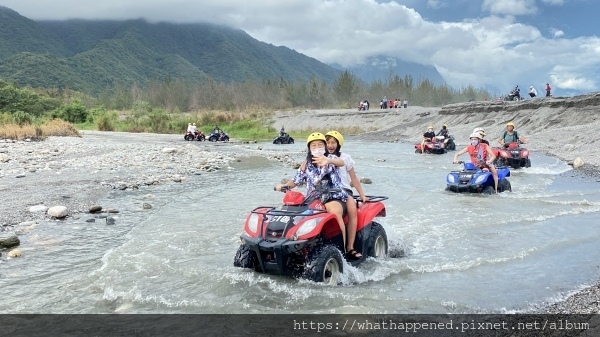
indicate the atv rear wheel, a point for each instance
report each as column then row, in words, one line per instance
column 246, row 258
column 212, row 139
column 291, row 141
column 186, row 137
column 417, row 151
column 277, row 141
column 324, row 265
column 377, row 243
column 505, row 185
column 451, row 147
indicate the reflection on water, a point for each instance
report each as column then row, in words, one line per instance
column 466, row 253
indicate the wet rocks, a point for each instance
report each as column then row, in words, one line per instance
column 8, row 240
column 4, row 158
column 578, row 162
column 110, row 220
column 169, row 150
column 146, row 206
column 58, row 212
column 366, row 181
column 95, row 208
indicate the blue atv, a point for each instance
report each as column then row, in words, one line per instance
column 473, row 180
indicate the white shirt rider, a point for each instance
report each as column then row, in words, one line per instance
column 190, row 128
column 343, row 171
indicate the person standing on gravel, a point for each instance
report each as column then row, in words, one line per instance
column 405, row 103
column 548, row 89
column 385, row 102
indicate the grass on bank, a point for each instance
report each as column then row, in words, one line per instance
column 46, row 128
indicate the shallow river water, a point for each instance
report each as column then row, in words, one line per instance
column 464, row 253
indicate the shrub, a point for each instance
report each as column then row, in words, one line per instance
column 106, row 121
column 22, row 118
column 73, row 112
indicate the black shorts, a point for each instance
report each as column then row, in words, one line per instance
column 344, row 206
column 349, row 191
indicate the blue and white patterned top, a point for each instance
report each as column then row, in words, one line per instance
column 313, row 175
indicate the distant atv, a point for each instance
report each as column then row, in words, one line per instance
column 512, row 155
column 473, row 180
column 191, row 136
column 218, row 137
column 436, row 146
column 285, row 139
column 301, row 239
column 514, row 95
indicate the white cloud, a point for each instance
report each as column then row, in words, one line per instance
column 509, row 7
column 494, row 51
column 557, row 33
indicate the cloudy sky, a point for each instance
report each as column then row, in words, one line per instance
column 487, row 43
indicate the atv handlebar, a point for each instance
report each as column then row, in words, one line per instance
column 283, row 188
column 460, row 162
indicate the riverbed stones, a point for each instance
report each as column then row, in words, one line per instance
column 169, row 150
column 146, row 206
column 58, row 212
column 110, row 220
column 38, row 209
column 8, row 240
column 95, row 208
column 578, row 162
column 4, row 158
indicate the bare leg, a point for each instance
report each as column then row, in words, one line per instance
column 352, row 222
column 423, row 147
column 336, row 209
column 495, row 175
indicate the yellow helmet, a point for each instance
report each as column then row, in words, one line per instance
column 510, row 124
column 194, row 124
column 315, row 136
column 338, row 136
column 445, row 125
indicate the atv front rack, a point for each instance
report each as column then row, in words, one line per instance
column 371, row 198
column 278, row 212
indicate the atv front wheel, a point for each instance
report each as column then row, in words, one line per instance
column 377, row 243
column 488, row 190
column 246, row 258
column 417, row 151
column 291, row 141
column 277, row 141
column 186, row 137
column 528, row 162
column 324, row 265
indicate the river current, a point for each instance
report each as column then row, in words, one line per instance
column 502, row 253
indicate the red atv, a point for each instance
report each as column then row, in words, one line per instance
column 435, row 146
column 191, row 136
column 513, row 155
column 300, row 239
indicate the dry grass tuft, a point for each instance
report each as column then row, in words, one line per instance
column 55, row 127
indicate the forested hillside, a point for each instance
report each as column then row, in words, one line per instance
column 93, row 55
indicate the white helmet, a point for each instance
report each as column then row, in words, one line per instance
column 475, row 135
column 478, row 130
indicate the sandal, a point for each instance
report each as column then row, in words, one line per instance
column 353, row 255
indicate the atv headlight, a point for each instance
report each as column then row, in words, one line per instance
column 480, row 179
column 450, row 179
column 307, row 227
column 253, row 222
column 505, row 154
column 525, row 153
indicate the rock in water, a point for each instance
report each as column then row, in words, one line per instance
column 8, row 240
column 147, row 206
column 366, row 181
column 110, row 220
column 95, row 208
column 38, row 209
column 3, row 158
column 58, row 212
column 578, row 162
column 14, row 253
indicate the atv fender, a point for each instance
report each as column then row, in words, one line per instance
column 328, row 226
column 503, row 173
column 367, row 212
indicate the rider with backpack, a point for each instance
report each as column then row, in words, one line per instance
column 510, row 135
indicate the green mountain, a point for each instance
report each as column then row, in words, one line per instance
column 93, row 55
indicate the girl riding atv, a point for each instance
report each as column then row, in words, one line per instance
column 335, row 140
column 481, row 155
column 319, row 166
